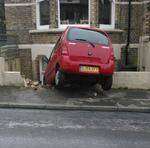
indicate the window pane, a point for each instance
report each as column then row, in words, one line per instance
column 105, row 12
column 74, row 11
column 2, row 17
column 44, row 12
column 87, row 35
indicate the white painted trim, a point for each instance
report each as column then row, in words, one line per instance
column 112, row 25
column 89, row 12
column 29, row 46
column 58, row 3
column 18, row 4
column 38, row 26
column 38, row 49
column 24, row 46
column 134, row 3
column 64, row 26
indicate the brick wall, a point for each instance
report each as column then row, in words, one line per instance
column 146, row 19
column 26, row 62
column 94, row 13
column 53, row 14
column 136, row 18
column 144, row 49
column 20, row 19
column 17, row 59
column 47, row 37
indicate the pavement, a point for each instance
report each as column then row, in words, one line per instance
column 75, row 98
column 73, row 129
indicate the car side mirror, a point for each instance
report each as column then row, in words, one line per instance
column 45, row 59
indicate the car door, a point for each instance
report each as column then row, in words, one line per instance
column 50, row 71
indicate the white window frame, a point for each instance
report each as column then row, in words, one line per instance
column 38, row 25
column 112, row 25
column 65, row 26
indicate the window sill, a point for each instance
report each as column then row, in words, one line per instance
column 113, row 30
column 59, row 30
column 53, row 30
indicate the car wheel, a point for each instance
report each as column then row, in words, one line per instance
column 107, row 83
column 59, row 79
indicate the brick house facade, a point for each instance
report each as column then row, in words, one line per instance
column 37, row 25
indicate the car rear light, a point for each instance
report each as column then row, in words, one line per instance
column 64, row 51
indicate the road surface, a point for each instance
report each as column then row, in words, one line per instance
column 73, row 129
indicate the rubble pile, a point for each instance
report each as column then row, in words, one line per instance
column 28, row 83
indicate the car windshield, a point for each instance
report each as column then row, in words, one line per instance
column 87, row 35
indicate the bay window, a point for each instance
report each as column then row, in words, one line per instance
column 73, row 12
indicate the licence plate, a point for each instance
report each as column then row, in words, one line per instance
column 89, row 69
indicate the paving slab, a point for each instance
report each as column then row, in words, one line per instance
column 75, row 98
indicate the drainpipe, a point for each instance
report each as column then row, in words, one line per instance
column 129, row 32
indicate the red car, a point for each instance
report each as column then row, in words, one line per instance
column 81, row 55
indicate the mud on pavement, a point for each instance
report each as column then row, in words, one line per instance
column 76, row 95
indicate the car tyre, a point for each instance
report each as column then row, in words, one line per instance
column 107, row 83
column 59, row 79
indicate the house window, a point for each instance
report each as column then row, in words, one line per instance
column 73, row 12
column 106, row 13
column 43, row 14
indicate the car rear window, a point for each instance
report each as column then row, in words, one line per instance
column 88, row 35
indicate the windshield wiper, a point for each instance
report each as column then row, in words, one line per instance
column 86, row 41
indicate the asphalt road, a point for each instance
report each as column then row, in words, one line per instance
column 73, row 129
